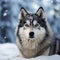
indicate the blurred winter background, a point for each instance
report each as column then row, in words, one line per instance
column 9, row 10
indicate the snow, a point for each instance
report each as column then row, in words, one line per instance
column 9, row 51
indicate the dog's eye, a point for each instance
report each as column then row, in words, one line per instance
column 26, row 25
column 36, row 25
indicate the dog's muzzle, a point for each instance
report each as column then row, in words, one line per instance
column 31, row 35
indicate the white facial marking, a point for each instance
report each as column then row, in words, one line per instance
column 35, row 22
column 39, row 33
column 28, row 22
column 24, row 32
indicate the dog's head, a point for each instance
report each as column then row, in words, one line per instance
column 32, row 27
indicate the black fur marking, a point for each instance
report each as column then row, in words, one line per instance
column 57, row 45
column 41, row 21
column 24, row 9
column 19, row 35
column 21, row 23
column 54, row 49
column 40, row 8
column 35, row 17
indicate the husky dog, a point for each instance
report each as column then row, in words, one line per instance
column 34, row 35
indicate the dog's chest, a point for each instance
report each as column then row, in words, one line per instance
column 28, row 52
column 33, row 52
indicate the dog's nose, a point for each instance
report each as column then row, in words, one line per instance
column 31, row 35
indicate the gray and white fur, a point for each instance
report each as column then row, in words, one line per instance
column 34, row 35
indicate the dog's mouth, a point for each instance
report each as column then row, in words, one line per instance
column 31, row 39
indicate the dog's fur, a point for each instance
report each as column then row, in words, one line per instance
column 43, row 41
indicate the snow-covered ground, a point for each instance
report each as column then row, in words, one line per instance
column 9, row 51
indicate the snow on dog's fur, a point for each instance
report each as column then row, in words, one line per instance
column 34, row 35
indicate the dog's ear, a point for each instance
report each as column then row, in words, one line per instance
column 22, row 13
column 40, row 13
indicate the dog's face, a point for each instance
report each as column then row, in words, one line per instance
column 32, row 27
